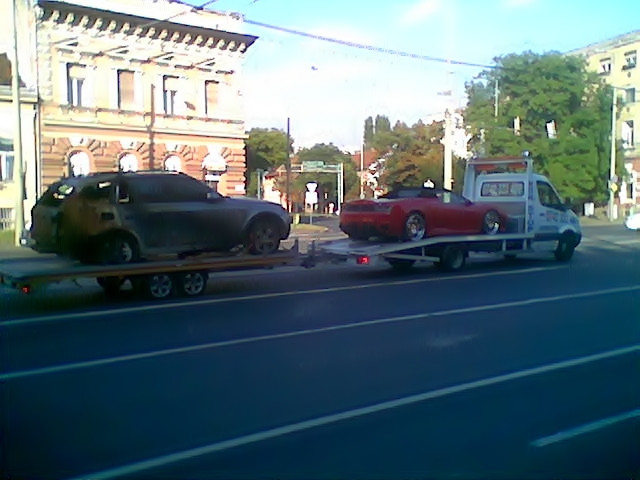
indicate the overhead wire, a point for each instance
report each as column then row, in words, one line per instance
column 372, row 48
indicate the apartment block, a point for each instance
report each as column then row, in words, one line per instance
column 616, row 61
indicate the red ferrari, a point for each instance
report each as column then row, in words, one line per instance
column 411, row 214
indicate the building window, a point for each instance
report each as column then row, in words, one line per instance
column 169, row 94
column 129, row 163
column 79, row 164
column 6, row 218
column 210, row 96
column 76, row 75
column 126, row 93
column 6, row 166
column 605, row 66
column 630, row 60
column 627, row 134
column 172, row 163
column 630, row 95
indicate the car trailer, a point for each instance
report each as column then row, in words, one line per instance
column 156, row 279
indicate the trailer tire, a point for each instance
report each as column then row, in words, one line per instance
column 452, row 258
column 565, row 248
column 400, row 264
column 415, row 227
column 192, row 284
column 491, row 222
column 156, row 286
column 110, row 285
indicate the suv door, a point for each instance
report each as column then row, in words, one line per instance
column 140, row 202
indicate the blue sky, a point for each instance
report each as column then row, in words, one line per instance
column 327, row 90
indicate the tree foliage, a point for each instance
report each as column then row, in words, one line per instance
column 551, row 106
column 328, row 154
column 411, row 154
column 266, row 150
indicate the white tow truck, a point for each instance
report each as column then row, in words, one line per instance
column 538, row 221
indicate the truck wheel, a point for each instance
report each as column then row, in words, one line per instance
column 192, row 284
column 156, row 286
column 263, row 237
column 452, row 258
column 415, row 227
column 117, row 248
column 400, row 264
column 566, row 247
column 491, row 222
column 110, row 285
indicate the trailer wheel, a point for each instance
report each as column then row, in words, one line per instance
column 400, row 264
column 415, row 227
column 192, row 284
column 565, row 248
column 491, row 222
column 452, row 258
column 156, row 286
column 110, row 285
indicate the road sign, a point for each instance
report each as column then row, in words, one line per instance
column 311, row 197
column 311, row 165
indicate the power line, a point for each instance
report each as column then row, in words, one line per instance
column 371, row 48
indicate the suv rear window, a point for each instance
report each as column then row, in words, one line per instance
column 56, row 194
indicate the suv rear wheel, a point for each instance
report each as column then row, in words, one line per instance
column 263, row 237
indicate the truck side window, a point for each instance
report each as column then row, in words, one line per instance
column 547, row 195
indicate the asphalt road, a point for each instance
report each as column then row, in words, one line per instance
column 523, row 369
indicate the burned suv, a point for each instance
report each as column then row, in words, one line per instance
column 124, row 217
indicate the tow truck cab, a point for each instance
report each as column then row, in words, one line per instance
column 529, row 199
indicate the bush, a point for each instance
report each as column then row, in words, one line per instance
column 7, row 237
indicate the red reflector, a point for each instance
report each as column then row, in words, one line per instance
column 26, row 289
column 362, row 260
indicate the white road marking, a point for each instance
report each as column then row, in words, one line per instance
column 299, row 333
column 586, row 428
column 211, row 301
column 164, row 460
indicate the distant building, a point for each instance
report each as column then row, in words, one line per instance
column 128, row 85
column 616, row 61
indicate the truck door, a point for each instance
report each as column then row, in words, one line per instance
column 550, row 214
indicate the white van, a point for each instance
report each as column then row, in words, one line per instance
column 529, row 199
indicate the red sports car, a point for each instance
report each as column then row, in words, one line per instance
column 411, row 214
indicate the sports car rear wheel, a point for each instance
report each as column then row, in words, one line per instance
column 415, row 227
column 491, row 222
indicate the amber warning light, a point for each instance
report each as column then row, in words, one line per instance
column 363, row 260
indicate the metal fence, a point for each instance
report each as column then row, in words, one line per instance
column 6, row 218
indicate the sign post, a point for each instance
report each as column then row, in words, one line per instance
column 311, row 198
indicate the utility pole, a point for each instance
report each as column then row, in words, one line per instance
column 288, row 165
column 612, row 166
column 496, row 92
column 448, row 153
column 362, row 171
column 18, row 169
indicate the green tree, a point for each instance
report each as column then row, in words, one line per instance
column 266, row 149
column 368, row 131
column 537, row 93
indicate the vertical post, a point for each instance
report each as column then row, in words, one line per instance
column 362, row 171
column 288, row 165
column 448, row 154
column 152, row 121
column 612, row 166
column 18, row 168
column 496, row 92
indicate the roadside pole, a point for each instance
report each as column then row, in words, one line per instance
column 18, row 168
